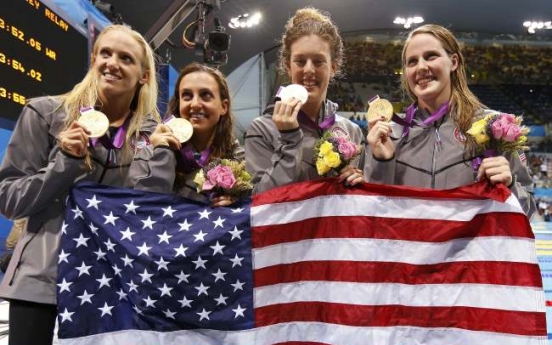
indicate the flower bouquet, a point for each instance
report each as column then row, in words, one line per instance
column 223, row 177
column 498, row 133
column 332, row 153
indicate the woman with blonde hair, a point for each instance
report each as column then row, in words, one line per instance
column 50, row 151
column 433, row 149
column 279, row 144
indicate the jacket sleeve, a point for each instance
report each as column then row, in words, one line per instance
column 153, row 170
column 522, row 186
column 271, row 161
column 34, row 173
column 378, row 171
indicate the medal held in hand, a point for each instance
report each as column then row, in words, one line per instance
column 94, row 121
column 294, row 91
column 181, row 128
column 379, row 107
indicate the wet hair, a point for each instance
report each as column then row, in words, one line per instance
column 310, row 21
column 464, row 104
column 144, row 103
column 223, row 140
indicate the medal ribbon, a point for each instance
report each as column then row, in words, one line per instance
column 411, row 111
column 186, row 160
column 108, row 143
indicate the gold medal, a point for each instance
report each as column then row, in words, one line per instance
column 95, row 122
column 181, row 128
column 378, row 108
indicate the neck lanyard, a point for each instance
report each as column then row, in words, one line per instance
column 186, row 160
column 411, row 111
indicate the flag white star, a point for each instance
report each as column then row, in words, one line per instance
column 128, row 261
column 132, row 287
column 221, row 300
column 185, row 226
column 164, row 237
column 63, row 257
column 86, row 297
column 81, row 241
column 150, row 302
column 100, row 254
column 131, row 207
column 182, row 277
column 200, row 236
column 199, row 263
column 110, row 219
column 137, row 310
column 169, row 314
column 64, row 228
column 122, row 295
column 116, row 270
column 110, row 245
column 168, row 211
column 143, row 249
column 127, row 234
column 184, row 302
column 238, row 285
column 236, row 261
column 93, row 202
column 218, row 222
column 204, row 314
column 237, row 210
column 83, row 269
column 93, row 228
column 204, row 214
column 104, row 281
column 219, row 275
column 66, row 316
column 64, row 286
column 106, row 309
column 165, row 290
column 78, row 213
column 217, row 248
column 202, row 289
column 148, row 223
column 238, row 311
column 235, row 233
column 180, row 251
column 146, row 276
column 162, row 264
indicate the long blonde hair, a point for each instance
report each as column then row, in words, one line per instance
column 463, row 103
column 144, row 103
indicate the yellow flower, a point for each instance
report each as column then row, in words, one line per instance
column 478, row 131
column 199, row 179
column 325, row 148
column 321, row 167
column 521, row 140
column 332, row 159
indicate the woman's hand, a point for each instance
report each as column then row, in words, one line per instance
column 378, row 139
column 74, row 140
column 164, row 136
column 223, row 200
column 285, row 114
column 351, row 175
column 496, row 169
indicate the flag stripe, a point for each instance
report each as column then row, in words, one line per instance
column 380, row 206
column 505, row 224
column 417, row 253
column 499, row 273
column 449, row 295
column 500, row 321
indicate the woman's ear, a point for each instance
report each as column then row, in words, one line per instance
column 454, row 60
column 224, row 107
column 145, row 77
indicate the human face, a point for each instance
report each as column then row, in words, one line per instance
column 428, row 70
column 200, row 102
column 311, row 66
column 119, row 64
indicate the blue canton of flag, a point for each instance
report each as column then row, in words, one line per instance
column 135, row 260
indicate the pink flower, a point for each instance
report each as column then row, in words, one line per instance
column 221, row 176
column 506, row 128
column 347, row 149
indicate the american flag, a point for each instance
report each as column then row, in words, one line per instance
column 310, row 263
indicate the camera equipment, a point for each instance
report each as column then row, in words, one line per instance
column 217, row 45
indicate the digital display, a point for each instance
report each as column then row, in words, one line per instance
column 40, row 54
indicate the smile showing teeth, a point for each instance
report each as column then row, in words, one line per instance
column 309, row 83
column 111, row 76
column 197, row 116
column 424, row 80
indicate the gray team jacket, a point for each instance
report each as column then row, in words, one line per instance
column 433, row 156
column 276, row 158
column 154, row 170
column 35, row 177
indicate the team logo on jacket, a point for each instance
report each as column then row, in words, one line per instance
column 139, row 144
column 459, row 136
column 339, row 132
